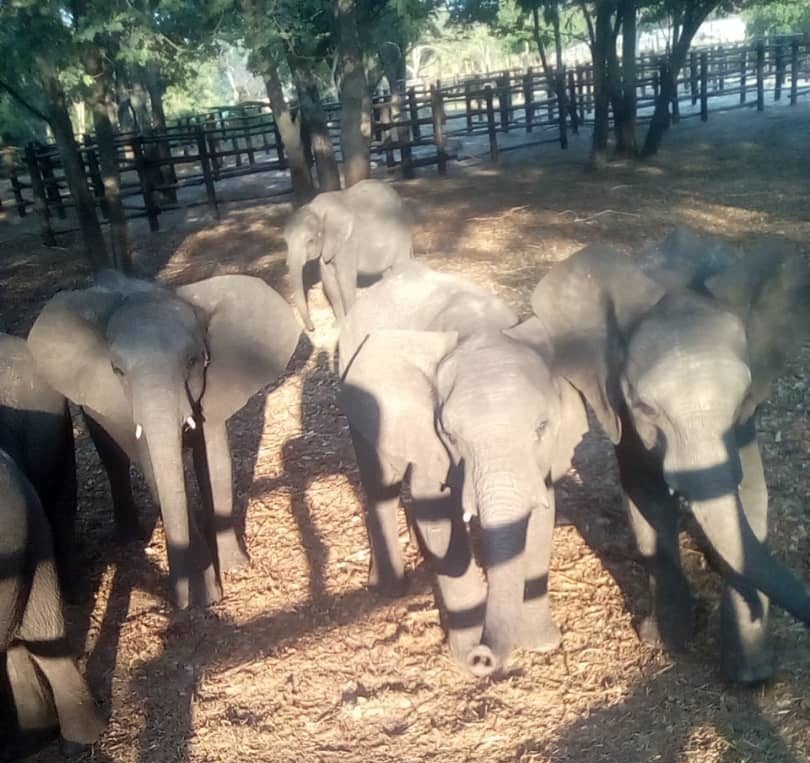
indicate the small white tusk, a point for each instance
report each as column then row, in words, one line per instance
column 671, row 491
column 467, row 517
column 190, row 423
column 138, row 431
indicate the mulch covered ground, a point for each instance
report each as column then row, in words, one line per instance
column 300, row 662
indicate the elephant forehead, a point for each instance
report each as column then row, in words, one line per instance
column 150, row 324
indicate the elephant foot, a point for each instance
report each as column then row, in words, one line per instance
column 392, row 585
column 671, row 635
column 749, row 669
column 538, row 631
column 73, row 749
column 23, row 744
column 230, row 555
column 202, row 590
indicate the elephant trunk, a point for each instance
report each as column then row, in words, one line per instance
column 295, row 266
column 504, row 520
column 715, row 503
column 159, row 417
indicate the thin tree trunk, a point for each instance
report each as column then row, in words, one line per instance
column 62, row 129
column 559, row 81
column 138, row 97
column 601, row 85
column 320, row 140
column 660, row 118
column 538, row 40
column 355, row 128
column 290, row 130
column 102, row 104
column 628, row 140
column 156, row 88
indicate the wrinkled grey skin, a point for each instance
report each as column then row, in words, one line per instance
column 32, row 627
column 152, row 367
column 444, row 391
column 361, row 231
column 675, row 378
column 36, row 431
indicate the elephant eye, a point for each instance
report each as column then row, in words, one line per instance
column 541, row 429
column 644, row 409
column 116, row 370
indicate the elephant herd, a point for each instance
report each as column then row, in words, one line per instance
column 457, row 409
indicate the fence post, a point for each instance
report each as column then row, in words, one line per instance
column 794, row 71
column 581, row 91
column 493, row 135
column 16, row 187
column 95, row 176
column 413, row 107
column 528, row 99
column 249, row 142
column 721, row 68
column 760, row 76
column 147, row 191
column 208, row 175
column 51, row 184
column 693, row 76
column 279, row 143
column 572, row 101
column 704, row 86
column 38, row 190
column 743, row 71
column 665, row 75
column 780, row 71
column 503, row 100
column 468, row 105
column 437, row 111
column 642, row 70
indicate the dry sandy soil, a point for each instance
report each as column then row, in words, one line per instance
column 300, row 662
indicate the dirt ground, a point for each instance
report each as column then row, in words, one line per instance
column 300, row 662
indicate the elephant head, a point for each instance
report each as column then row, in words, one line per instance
column 316, row 231
column 687, row 371
column 147, row 362
column 484, row 410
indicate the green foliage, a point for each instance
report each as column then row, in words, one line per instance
column 778, row 17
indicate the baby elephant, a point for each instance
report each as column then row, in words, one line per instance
column 361, row 231
column 32, row 628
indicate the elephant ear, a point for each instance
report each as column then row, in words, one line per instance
column 388, row 394
column 69, row 345
column 336, row 222
column 590, row 304
column 770, row 290
column 252, row 333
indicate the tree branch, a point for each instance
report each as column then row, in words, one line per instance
column 17, row 96
column 589, row 22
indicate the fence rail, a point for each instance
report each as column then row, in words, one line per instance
column 418, row 128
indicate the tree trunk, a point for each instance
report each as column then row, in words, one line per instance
column 156, row 88
column 314, row 117
column 660, row 118
column 628, row 141
column 355, row 127
column 601, row 85
column 102, row 104
column 559, row 80
column 290, row 130
column 74, row 169
column 137, row 98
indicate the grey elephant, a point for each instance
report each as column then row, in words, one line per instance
column 446, row 392
column 36, row 432
column 675, row 378
column 360, row 231
column 34, row 427
column 153, row 368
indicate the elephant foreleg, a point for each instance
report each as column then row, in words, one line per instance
column 746, row 654
column 382, row 487
column 538, row 631
column 653, row 515
column 116, row 464
column 213, row 466
column 446, row 546
column 331, row 287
